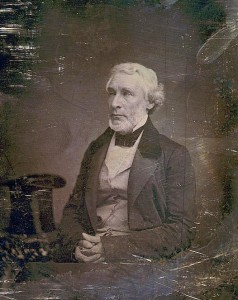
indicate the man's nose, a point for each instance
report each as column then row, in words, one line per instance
column 116, row 101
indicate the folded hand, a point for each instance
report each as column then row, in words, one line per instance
column 89, row 249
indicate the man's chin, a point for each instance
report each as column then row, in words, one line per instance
column 121, row 127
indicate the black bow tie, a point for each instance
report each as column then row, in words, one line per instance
column 128, row 140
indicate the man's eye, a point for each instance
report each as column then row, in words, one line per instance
column 127, row 93
column 111, row 93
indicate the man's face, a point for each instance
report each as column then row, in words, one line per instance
column 127, row 103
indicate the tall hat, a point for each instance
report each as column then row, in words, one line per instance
column 31, row 200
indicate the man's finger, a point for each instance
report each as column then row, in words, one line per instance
column 98, row 248
column 88, row 259
column 85, row 244
column 84, row 258
column 91, row 238
column 101, row 259
column 104, row 229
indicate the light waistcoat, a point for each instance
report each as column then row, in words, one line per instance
column 112, row 209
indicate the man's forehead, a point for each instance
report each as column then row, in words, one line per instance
column 123, row 80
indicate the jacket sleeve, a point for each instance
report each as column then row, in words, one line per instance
column 75, row 218
column 176, row 233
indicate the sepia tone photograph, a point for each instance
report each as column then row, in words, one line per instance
column 118, row 149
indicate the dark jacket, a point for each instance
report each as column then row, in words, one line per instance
column 161, row 199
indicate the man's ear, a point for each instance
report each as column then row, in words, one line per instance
column 149, row 105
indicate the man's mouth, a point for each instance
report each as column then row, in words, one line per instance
column 116, row 116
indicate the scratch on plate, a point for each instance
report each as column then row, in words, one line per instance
column 47, row 298
column 197, row 252
column 203, row 260
column 175, row 290
column 141, row 258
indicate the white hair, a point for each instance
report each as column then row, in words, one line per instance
column 154, row 92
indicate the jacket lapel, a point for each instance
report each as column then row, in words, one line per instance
column 145, row 161
column 99, row 153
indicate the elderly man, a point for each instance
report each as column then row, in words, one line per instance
column 135, row 194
